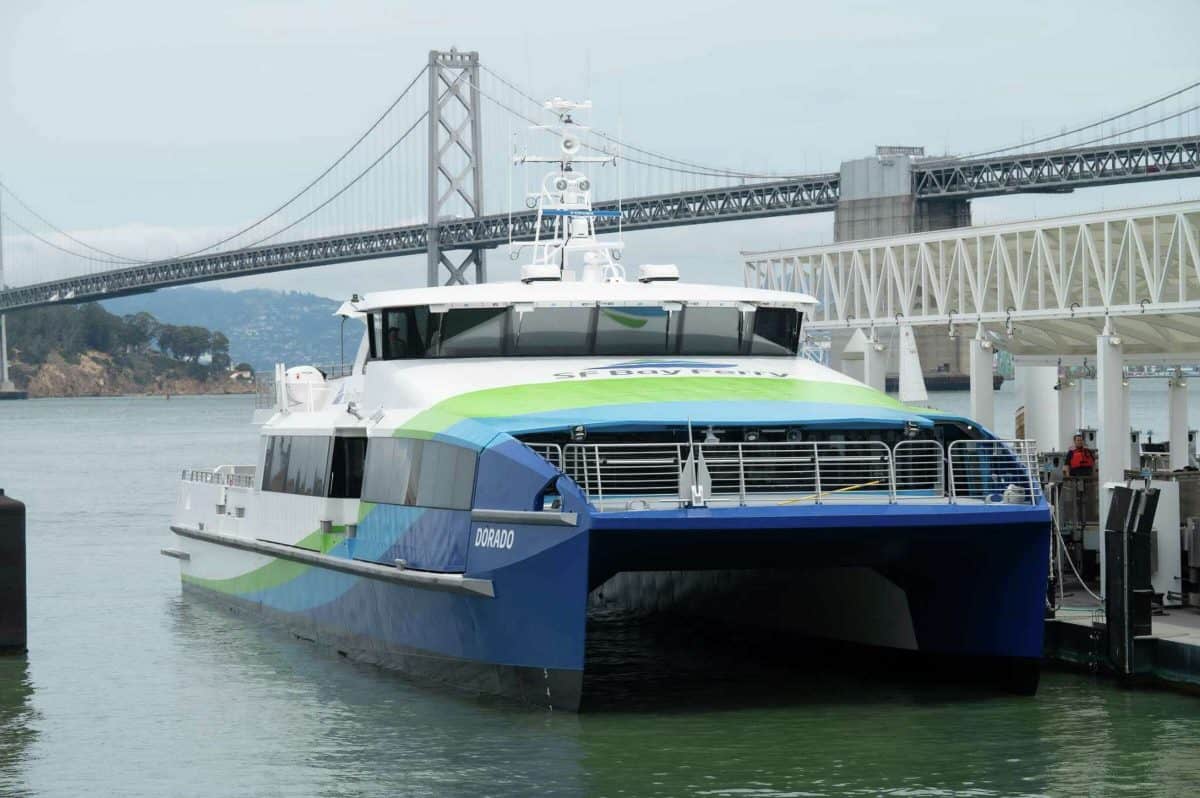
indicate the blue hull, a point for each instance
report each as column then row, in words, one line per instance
column 972, row 580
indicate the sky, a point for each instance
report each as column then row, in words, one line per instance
column 130, row 122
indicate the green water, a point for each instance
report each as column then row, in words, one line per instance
column 129, row 690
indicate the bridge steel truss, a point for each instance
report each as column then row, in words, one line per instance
column 1060, row 170
column 639, row 213
column 1040, row 288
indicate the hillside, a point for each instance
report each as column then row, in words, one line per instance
column 263, row 327
column 83, row 350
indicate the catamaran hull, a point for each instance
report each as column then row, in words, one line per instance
column 959, row 583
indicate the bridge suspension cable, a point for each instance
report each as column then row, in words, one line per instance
column 291, row 200
column 690, row 167
column 110, row 257
column 97, row 255
column 51, row 244
column 1098, row 123
column 349, row 185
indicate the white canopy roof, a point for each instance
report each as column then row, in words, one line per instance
column 570, row 293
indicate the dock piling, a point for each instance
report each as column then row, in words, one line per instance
column 13, row 633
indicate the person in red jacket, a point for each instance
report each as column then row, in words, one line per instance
column 1081, row 461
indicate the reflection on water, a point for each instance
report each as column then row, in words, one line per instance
column 16, row 723
column 132, row 690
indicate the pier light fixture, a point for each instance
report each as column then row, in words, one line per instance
column 751, row 436
column 579, row 433
column 911, row 429
column 794, row 435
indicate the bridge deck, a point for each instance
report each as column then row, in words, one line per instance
column 1057, row 170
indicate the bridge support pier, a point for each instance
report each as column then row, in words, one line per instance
column 7, row 389
column 877, row 199
column 5, row 383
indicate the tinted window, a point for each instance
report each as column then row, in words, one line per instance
column 406, row 332
column 349, row 455
column 373, row 335
column 415, row 332
column 711, row 331
column 296, row 464
column 633, row 331
column 473, row 332
column 419, row 473
column 776, row 331
column 552, row 331
column 274, row 465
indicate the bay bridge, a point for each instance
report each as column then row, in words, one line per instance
column 440, row 131
column 413, row 183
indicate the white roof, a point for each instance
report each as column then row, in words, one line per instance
column 569, row 293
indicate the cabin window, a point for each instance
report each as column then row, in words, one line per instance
column 633, row 331
column 473, row 332
column 296, row 464
column 776, row 331
column 373, row 335
column 406, row 332
column 711, row 331
column 349, row 456
column 419, row 473
column 552, row 331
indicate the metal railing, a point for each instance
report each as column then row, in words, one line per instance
column 550, row 452
column 645, row 475
column 231, row 480
column 994, row 471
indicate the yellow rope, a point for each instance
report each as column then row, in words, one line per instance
column 828, row 492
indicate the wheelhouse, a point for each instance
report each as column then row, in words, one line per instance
column 554, row 329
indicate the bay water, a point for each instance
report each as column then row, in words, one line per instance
column 129, row 689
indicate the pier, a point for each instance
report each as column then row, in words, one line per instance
column 1108, row 297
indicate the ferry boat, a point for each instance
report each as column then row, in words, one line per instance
column 503, row 459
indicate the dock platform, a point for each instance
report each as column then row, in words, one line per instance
column 1169, row 656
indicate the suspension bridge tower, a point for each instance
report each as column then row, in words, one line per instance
column 7, row 389
column 455, row 161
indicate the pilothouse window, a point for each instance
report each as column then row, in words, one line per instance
column 633, row 331
column 550, row 331
column 711, row 331
column 630, row 331
column 406, row 332
column 473, row 332
column 776, row 331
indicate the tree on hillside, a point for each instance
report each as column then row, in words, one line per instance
column 219, row 347
column 101, row 330
column 138, row 331
column 185, row 342
column 196, row 342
